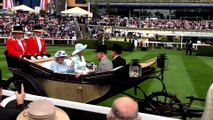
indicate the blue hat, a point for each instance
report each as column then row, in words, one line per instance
column 60, row 53
column 79, row 47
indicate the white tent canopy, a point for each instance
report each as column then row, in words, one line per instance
column 22, row 7
column 77, row 11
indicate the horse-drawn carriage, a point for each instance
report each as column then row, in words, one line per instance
column 92, row 88
column 40, row 80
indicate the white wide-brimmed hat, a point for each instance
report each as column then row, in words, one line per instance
column 60, row 53
column 79, row 47
column 42, row 110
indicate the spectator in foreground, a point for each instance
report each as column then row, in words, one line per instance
column 207, row 114
column 9, row 113
column 43, row 110
column 124, row 108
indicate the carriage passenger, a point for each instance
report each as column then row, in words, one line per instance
column 117, row 59
column 78, row 60
column 105, row 64
column 59, row 65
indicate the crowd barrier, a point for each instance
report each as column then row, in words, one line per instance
column 75, row 105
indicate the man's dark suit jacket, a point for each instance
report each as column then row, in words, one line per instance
column 118, row 61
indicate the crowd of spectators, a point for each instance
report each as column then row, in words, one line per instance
column 150, row 23
column 65, row 27
column 54, row 26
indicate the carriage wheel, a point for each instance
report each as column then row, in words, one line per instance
column 14, row 83
column 164, row 103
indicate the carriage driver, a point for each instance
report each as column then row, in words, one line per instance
column 36, row 44
column 16, row 46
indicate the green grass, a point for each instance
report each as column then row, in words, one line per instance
column 186, row 75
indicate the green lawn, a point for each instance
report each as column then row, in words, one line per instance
column 186, row 75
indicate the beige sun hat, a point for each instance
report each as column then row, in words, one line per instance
column 42, row 110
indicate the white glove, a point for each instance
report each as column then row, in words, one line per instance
column 95, row 67
column 32, row 58
column 44, row 56
column 25, row 58
column 39, row 57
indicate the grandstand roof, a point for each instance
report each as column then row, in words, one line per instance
column 154, row 1
column 155, row 5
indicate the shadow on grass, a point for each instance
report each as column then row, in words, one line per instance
column 200, row 74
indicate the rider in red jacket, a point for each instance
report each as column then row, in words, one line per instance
column 15, row 45
column 36, row 44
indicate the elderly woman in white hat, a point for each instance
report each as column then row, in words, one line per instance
column 59, row 65
column 78, row 60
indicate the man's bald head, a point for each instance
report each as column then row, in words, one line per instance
column 124, row 108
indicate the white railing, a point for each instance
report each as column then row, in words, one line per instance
column 76, row 105
column 49, row 41
column 171, row 44
column 52, row 41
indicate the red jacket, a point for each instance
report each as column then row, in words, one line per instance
column 14, row 49
column 33, row 47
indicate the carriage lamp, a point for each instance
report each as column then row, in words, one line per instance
column 161, row 61
column 135, row 69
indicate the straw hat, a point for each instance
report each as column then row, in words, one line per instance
column 42, row 110
column 79, row 47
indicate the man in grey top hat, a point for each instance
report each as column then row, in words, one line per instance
column 105, row 64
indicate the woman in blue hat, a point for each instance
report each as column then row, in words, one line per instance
column 78, row 60
column 59, row 65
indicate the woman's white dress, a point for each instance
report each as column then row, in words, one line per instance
column 79, row 65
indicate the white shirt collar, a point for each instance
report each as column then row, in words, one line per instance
column 116, row 57
column 20, row 44
column 39, row 43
